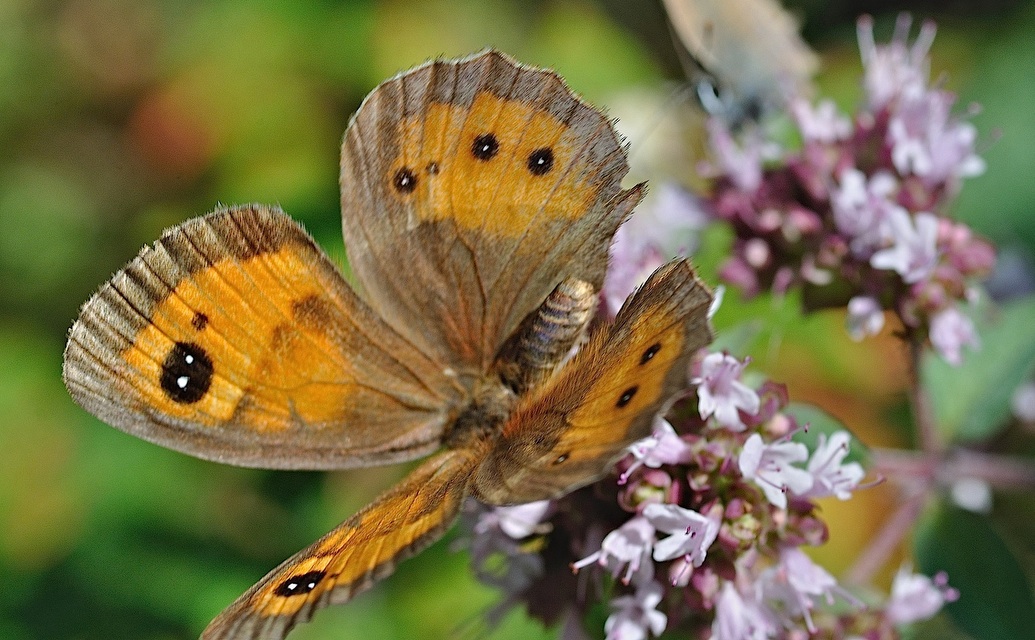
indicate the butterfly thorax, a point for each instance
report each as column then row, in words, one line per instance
column 482, row 419
column 531, row 355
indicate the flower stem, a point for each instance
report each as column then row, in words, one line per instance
column 923, row 413
column 887, row 539
column 1002, row 472
column 1009, row 473
column 921, row 467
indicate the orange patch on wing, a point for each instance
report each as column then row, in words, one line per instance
column 602, row 409
column 270, row 370
column 423, row 504
column 472, row 190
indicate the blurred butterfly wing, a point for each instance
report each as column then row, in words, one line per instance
column 349, row 559
column 234, row 338
column 752, row 47
column 470, row 189
column 567, row 433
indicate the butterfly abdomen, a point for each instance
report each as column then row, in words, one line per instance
column 537, row 347
column 547, row 335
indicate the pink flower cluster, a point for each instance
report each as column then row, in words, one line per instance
column 856, row 215
column 701, row 529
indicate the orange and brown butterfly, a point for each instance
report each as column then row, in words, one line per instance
column 479, row 199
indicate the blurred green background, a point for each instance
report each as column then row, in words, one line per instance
column 119, row 118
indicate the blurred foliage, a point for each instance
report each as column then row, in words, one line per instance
column 122, row 117
column 972, row 403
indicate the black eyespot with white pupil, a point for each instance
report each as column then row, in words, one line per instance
column 562, row 458
column 404, row 180
column 485, row 147
column 300, row 585
column 540, row 161
column 186, row 373
column 626, row 396
column 649, row 354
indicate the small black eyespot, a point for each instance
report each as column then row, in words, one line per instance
column 485, row 147
column 300, row 585
column 404, row 180
column 649, row 354
column 432, row 168
column 561, row 458
column 199, row 321
column 627, row 396
column 186, row 373
column 540, row 161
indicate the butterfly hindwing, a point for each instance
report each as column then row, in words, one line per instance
column 569, row 431
column 361, row 550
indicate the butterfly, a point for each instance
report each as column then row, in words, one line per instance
column 744, row 56
column 479, row 198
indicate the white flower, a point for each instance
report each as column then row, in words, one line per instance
column 894, row 69
column 741, row 164
column 721, row 393
column 951, row 330
column 692, row 533
column 914, row 252
column 627, row 546
column 823, row 124
column 972, row 494
column 497, row 558
column 1023, row 402
column 794, row 581
column 915, row 597
column 522, row 520
column 865, row 317
column 830, row 477
column 861, row 206
column 718, row 293
column 740, row 618
column 633, row 616
column 770, row 467
column 928, row 142
column 663, row 446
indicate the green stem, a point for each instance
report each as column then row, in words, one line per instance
column 923, row 413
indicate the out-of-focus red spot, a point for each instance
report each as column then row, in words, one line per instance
column 171, row 135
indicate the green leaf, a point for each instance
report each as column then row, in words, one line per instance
column 939, row 627
column 972, row 401
column 996, row 600
column 821, row 422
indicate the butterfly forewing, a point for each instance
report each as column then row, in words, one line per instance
column 495, row 182
column 234, row 338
